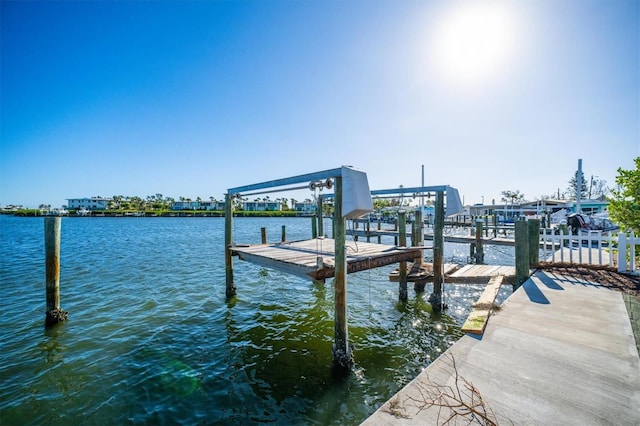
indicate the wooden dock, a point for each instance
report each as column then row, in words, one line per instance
column 456, row 273
column 374, row 233
column 315, row 258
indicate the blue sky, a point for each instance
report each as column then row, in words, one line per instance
column 190, row 98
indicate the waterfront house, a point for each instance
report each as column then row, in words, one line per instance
column 93, row 203
column 305, row 208
column 261, row 206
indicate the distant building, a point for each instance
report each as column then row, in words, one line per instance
column 186, row 205
column 261, row 206
column 93, row 203
column 198, row 205
column 306, row 208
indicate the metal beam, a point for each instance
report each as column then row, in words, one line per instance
column 309, row 177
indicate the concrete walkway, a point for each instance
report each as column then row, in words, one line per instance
column 559, row 352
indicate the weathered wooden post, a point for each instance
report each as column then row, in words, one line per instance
column 284, row 233
column 319, row 216
column 479, row 249
column 263, row 235
column 395, row 229
column 438, row 246
column 521, row 230
column 228, row 243
column 533, row 228
column 52, row 227
column 418, row 286
column 379, row 236
column 314, row 227
column 342, row 356
column 486, row 226
column 495, row 225
column 402, row 233
column 419, row 235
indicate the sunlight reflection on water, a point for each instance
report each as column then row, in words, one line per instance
column 151, row 339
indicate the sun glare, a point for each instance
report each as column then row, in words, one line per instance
column 473, row 43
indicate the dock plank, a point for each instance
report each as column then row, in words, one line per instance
column 301, row 258
column 477, row 320
column 480, row 273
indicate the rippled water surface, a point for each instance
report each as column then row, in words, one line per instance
column 150, row 338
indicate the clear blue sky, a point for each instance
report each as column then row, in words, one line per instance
column 188, row 98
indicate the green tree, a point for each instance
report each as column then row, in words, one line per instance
column 624, row 206
column 512, row 197
column 572, row 190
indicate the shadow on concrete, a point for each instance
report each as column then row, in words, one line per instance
column 549, row 282
column 534, row 293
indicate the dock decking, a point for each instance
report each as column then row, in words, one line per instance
column 315, row 258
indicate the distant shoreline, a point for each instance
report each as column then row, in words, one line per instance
column 134, row 214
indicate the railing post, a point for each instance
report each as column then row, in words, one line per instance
column 622, row 252
column 632, row 252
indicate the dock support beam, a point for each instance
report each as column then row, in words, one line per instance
column 479, row 255
column 228, row 243
column 342, row 356
column 54, row 314
column 533, row 229
column 522, row 252
column 319, row 216
column 402, row 232
column 438, row 246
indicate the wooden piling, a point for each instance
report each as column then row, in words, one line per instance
column 284, row 233
column 522, row 252
column 419, row 235
column 52, row 227
column 486, row 226
column 438, row 246
column 342, row 356
column 263, row 235
column 228, row 242
column 479, row 256
column 533, row 228
column 314, row 227
column 379, row 228
column 319, row 217
column 402, row 232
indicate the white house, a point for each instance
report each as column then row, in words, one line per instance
column 93, row 203
column 261, row 206
column 306, row 208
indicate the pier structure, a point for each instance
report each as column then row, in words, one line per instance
column 352, row 200
column 320, row 258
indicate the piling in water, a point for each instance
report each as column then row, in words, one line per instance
column 402, row 226
column 54, row 314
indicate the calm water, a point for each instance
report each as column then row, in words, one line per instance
column 150, row 338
